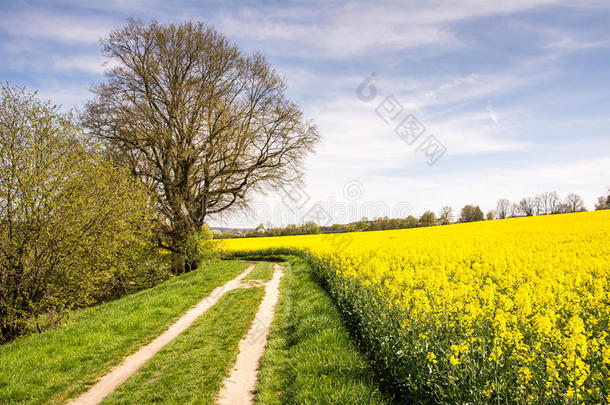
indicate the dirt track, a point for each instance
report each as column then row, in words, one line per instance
column 119, row 374
column 237, row 388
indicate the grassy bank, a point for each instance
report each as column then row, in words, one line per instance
column 310, row 357
column 53, row 366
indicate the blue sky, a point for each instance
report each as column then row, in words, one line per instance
column 517, row 92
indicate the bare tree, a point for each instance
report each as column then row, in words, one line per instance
column 538, row 205
column 527, row 206
column 548, row 203
column 603, row 202
column 491, row 215
column 446, row 215
column 503, row 208
column 574, row 203
column 554, row 203
column 540, row 202
column 201, row 124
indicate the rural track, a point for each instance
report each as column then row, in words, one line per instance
column 238, row 386
column 132, row 363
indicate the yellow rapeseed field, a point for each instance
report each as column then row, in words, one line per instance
column 509, row 310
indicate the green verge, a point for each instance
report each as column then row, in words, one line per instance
column 59, row 364
column 310, row 357
column 263, row 271
column 191, row 368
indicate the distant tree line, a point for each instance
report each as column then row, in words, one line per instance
column 547, row 203
column 307, row 228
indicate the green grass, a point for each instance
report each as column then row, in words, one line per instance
column 263, row 271
column 191, row 368
column 310, row 357
column 59, row 364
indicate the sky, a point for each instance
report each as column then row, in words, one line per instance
column 419, row 104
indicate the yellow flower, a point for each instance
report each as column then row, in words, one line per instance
column 520, row 290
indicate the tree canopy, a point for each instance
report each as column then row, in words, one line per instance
column 471, row 213
column 200, row 123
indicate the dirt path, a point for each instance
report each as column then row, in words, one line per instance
column 237, row 388
column 131, row 364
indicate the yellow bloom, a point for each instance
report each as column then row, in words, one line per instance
column 454, row 361
column 519, row 290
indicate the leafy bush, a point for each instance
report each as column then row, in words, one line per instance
column 74, row 229
column 197, row 248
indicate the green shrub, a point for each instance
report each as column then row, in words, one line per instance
column 74, row 229
column 197, row 248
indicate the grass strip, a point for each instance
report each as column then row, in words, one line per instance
column 310, row 357
column 263, row 271
column 59, row 364
column 191, row 368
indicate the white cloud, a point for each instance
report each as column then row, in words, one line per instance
column 561, row 40
column 69, row 96
column 572, row 44
column 492, row 114
column 339, row 31
column 475, row 86
column 53, row 26
column 472, row 133
column 80, row 63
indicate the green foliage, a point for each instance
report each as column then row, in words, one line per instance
column 427, row 219
column 73, row 228
column 410, row 222
column 470, row 213
column 379, row 224
column 308, row 228
column 446, row 216
column 195, row 249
